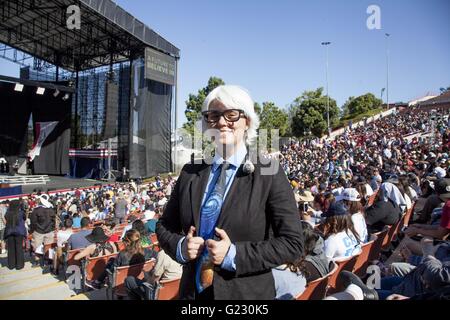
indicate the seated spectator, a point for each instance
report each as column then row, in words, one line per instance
column 352, row 201
column 165, row 269
column 341, row 238
column 78, row 240
column 109, row 227
column 99, row 245
column 61, row 238
column 140, row 227
column 389, row 191
column 432, row 201
column 291, row 278
column 76, row 220
column 133, row 254
column 432, row 275
column 382, row 213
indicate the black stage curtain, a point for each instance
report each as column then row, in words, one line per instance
column 150, row 151
column 54, row 155
column 16, row 108
column 15, row 113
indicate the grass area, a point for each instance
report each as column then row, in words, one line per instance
column 346, row 120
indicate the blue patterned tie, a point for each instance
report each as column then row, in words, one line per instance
column 208, row 218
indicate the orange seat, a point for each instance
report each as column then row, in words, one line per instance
column 376, row 247
column 344, row 264
column 94, row 267
column 371, row 199
column 316, row 290
column 169, row 290
column 393, row 230
column 116, row 284
column 363, row 260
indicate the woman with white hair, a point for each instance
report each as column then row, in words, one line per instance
column 220, row 217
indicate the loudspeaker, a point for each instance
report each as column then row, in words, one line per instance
column 111, row 107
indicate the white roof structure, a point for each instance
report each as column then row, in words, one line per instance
column 422, row 99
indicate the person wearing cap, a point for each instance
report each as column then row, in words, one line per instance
column 218, row 218
column 352, row 200
column 42, row 224
column 341, row 239
column 99, row 246
column 307, row 213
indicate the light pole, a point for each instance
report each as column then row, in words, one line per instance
column 326, row 44
column 387, row 69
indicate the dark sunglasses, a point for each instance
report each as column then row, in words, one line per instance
column 230, row 115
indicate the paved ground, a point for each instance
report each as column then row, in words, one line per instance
column 31, row 284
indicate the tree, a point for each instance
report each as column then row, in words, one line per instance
column 272, row 117
column 195, row 102
column 362, row 104
column 257, row 108
column 311, row 113
column 345, row 108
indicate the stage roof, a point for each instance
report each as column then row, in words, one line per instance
column 39, row 28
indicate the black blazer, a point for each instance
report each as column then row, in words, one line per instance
column 259, row 215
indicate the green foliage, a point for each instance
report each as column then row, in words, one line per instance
column 359, row 105
column 345, row 121
column 271, row 117
column 311, row 113
column 195, row 102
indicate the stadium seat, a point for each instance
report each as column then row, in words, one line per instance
column 165, row 290
column 316, row 290
column 69, row 259
column 344, row 264
column 393, row 230
column 116, row 278
column 94, row 267
column 376, row 247
column 362, row 262
column 371, row 199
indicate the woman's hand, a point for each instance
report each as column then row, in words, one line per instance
column 218, row 249
column 192, row 246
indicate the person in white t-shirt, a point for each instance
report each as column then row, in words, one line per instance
column 342, row 240
column 61, row 239
column 352, row 200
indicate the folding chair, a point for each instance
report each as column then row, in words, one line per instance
column 344, row 264
column 316, row 290
column 163, row 290
column 362, row 262
column 116, row 278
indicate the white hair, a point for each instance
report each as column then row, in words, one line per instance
column 235, row 97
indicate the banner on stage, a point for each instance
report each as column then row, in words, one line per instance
column 159, row 67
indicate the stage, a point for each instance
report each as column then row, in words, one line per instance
column 58, row 184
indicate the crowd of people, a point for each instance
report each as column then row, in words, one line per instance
column 402, row 160
column 112, row 219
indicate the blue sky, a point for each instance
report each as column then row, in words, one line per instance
column 273, row 49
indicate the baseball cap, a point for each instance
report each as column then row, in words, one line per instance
column 349, row 194
column 440, row 172
column 335, row 209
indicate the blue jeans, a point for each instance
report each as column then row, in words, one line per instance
column 387, row 284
